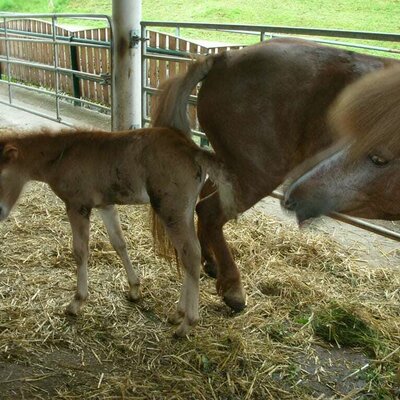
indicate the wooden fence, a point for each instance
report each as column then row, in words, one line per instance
column 89, row 59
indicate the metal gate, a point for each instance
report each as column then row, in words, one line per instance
column 20, row 35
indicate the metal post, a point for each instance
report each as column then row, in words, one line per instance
column 126, row 69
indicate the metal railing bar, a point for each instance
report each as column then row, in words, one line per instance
column 58, row 15
column 347, row 44
column 359, row 223
column 311, row 39
column 367, row 226
column 366, row 35
column 66, row 42
column 37, row 113
column 167, row 58
column 61, row 95
column 177, row 53
column 65, row 71
column 148, row 89
column 327, row 41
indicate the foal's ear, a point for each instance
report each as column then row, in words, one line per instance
column 8, row 152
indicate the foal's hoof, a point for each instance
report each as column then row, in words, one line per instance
column 210, row 269
column 134, row 294
column 235, row 298
column 181, row 332
column 184, row 328
column 73, row 309
column 176, row 318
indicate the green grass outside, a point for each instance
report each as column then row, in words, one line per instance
column 374, row 15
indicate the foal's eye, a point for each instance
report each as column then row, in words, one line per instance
column 378, row 160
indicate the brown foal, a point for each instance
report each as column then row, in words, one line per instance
column 88, row 169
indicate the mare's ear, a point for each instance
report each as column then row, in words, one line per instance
column 8, row 152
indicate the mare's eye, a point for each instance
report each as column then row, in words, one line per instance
column 378, row 160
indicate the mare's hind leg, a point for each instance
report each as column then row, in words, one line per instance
column 79, row 220
column 207, row 254
column 111, row 221
column 211, row 221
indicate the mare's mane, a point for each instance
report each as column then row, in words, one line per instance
column 369, row 111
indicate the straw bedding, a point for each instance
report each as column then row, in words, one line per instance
column 303, row 289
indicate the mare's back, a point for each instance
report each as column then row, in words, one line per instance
column 264, row 107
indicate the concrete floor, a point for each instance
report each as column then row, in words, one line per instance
column 371, row 248
column 45, row 104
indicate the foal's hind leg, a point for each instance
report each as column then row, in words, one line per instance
column 79, row 220
column 182, row 233
column 211, row 222
column 111, row 221
column 185, row 241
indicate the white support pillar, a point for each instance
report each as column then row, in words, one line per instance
column 126, row 68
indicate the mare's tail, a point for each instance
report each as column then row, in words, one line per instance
column 171, row 105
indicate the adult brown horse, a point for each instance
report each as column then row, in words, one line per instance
column 263, row 109
column 363, row 177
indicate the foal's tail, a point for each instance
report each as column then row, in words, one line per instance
column 170, row 109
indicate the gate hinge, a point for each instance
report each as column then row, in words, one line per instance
column 135, row 39
column 105, row 79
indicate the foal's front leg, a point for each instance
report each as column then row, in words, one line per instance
column 79, row 219
column 111, row 220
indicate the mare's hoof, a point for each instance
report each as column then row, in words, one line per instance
column 235, row 298
column 210, row 269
